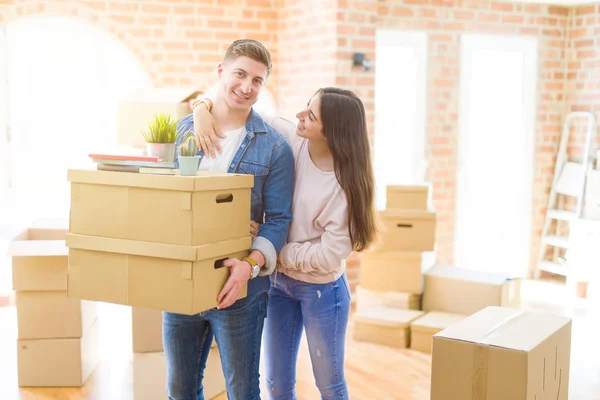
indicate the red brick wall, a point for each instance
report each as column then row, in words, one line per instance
column 583, row 71
column 307, row 49
column 445, row 21
column 180, row 42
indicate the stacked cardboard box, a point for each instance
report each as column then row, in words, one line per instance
column 137, row 108
column 150, row 375
column 57, row 336
column 155, row 241
column 502, row 353
column 452, row 293
column 391, row 275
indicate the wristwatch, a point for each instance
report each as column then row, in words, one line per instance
column 255, row 267
column 206, row 101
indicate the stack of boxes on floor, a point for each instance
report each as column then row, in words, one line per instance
column 389, row 297
column 156, row 243
column 405, row 291
column 149, row 364
column 57, row 342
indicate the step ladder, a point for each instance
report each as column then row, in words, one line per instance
column 569, row 180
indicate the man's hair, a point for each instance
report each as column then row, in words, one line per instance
column 249, row 48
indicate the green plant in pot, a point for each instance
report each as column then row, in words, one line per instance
column 188, row 160
column 161, row 137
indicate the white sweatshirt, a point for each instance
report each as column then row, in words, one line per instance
column 319, row 240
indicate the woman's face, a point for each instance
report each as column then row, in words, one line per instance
column 309, row 120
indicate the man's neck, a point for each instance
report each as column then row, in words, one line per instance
column 229, row 119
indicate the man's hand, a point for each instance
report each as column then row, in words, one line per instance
column 254, row 228
column 207, row 132
column 239, row 275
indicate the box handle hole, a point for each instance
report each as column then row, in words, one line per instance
column 219, row 263
column 224, row 198
column 404, row 225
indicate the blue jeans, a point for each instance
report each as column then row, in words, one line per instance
column 187, row 340
column 323, row 312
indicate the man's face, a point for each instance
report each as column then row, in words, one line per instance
column 241, row 81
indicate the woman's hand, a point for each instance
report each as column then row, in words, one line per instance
column 207, row 132
column 254, row 228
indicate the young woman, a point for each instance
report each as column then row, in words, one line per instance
column 333, row 215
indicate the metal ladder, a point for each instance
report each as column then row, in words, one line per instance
column 569, row 180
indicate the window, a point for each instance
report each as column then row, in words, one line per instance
column 64, row 81
column 495, row 155
column 400, row 88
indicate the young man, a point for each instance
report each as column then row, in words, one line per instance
column 251, row 147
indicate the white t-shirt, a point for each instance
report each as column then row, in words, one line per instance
column 229, row 146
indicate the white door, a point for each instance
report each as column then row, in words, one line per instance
column 65, row 78
column 4, row 130
column 495, row 155
column 400, row 87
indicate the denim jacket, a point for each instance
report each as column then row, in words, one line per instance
column 266, row 154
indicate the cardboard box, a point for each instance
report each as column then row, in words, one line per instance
column 367, row 299
column 58, row 362
column 462, row 291
column 395, row 271
column 39, row 258
column 52, row 315
column 146, row 330
column 409, row 197
column 385, row 326
column 137, row 109
column 407, row 230
column 183, row 210
column 502, row 353
column 150, row 375
column 180, row 279
column 423, row 328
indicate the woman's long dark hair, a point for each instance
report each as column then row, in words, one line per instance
column 345, row 129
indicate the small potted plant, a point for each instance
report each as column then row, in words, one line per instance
column 161, row 137
column 188, row 158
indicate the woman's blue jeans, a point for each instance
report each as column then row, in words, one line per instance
column 322, row 309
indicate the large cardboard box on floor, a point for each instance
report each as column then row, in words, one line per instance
column 384, row 326
column 137, row 109
column 367, row 299
column 408, row 197
column 58, row 362
column 423, row 328
column 180, row 210
column 52, row 315
column 150, row 375
column 503, row 353
column 146, row 330
column 156, row 276
column 407, row 230
column 395, row 271
column 462, row 291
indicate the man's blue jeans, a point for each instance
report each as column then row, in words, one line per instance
column 187, row 340
column 323, row 312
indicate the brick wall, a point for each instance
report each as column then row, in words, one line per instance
column 307, row 49
column 583, row 71
column 312, row 41
column 177, row 42
column 445, row 21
